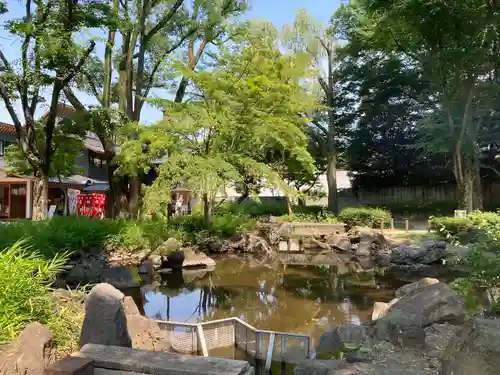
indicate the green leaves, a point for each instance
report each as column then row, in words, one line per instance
column 243, row 110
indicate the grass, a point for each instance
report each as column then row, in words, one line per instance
column 26, row 296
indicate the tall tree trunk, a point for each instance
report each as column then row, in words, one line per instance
column 331, row 170
column 134, row 198
column 41, row 198
column 207, row 210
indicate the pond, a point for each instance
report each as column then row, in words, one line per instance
column 286, row 298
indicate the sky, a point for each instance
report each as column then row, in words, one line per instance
column 278, row 12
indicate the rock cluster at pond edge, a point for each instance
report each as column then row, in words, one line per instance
column 423, row 331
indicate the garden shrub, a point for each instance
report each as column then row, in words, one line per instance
column 451, row 227
column 365, row 216
column 25, row 278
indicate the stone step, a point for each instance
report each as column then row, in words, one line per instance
column 127, row 360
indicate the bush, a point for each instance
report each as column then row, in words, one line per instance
column 25, row 278
column 451, row 227
column 224, row 225
column 365, row 216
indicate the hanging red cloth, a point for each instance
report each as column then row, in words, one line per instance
column 92, row 205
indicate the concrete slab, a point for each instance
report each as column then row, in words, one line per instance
column 160, row 363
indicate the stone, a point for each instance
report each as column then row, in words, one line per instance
column 237, row 242
column 159, row 363
column 343, row 338
column 406, row 319
column 168, row 246
column 197, row 259
column 339, row 242
column 475, row 349
column 283, row 246
column 365, row 246
column 174, row 260
column 429, row 252
column 144, row 333
column 293, row 245
column 256, row 245
column 380, row 309
column 416, row 286
column 311, row 244
column 318, row 366
column 156, row 260
column 30, row 353
column 119, row 277
column 105, row 322
column 213, row 245
column 84, row 273
column 410, row 272
column 356, row 233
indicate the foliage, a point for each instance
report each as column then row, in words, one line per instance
column 222, row 225
column 48, row 59
column 452, row 227
column 247, row 105
column 365, row 216
column 25, row 288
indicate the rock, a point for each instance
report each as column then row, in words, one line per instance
column 475, row 349
column 365, row 246
column 168, row 247
column 105, row 322
column 406, row 319
column 409, row 272
column 380, row 309
column 119, row 277
column 293, row 245
column 416, row 286
column 144, row 333
column 146, row 267
column 346, row 338
column 237, row 242
column 84, row 273
column 318, row 367
column 174, row 260
column 256, row 245
column 429, row 252
column 214, row 245
column 30, row 353
column 156, row 260
column 339, row 242
column 283, row 246
column 311, row 243
column 356, row 233
column 197, row 259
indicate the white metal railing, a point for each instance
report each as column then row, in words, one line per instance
column 202, row 337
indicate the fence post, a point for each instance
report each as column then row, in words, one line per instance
column 429, row 225
column 392, row 224
column 407, row 225
column 382, row 224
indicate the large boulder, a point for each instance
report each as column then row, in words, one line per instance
column 405, row 321
column 339, row 242
column 256, row 245
column 475, row 349
column 350, row 339
column 105, row 322
column 174, row 260
column 168, row 247
column 416, row 286
column 144, row 333
column 30, row 353
column 197, row 259
column 429, row 252
column 84, row 273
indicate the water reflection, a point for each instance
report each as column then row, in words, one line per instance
column 299, row 299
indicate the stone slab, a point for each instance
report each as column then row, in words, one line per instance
column 160, row 363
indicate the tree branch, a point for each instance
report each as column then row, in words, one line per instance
column 79, row 65
column 491, row 168
column 319, row 126
column 163, row 21
column 75, row 102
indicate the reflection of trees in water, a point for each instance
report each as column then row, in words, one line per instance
column 289, row 298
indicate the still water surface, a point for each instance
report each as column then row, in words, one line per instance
column 298, row 299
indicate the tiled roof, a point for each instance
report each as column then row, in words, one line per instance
column 7, row 128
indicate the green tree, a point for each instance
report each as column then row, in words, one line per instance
column 248, row 104
column 151, row 31
column 454, row 46
column 307, row 35
column 48, row 60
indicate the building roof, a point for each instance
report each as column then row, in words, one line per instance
column 7, row 128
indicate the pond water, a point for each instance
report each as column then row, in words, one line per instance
column 287, row 298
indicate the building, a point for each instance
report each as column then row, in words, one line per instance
column 16, row 198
